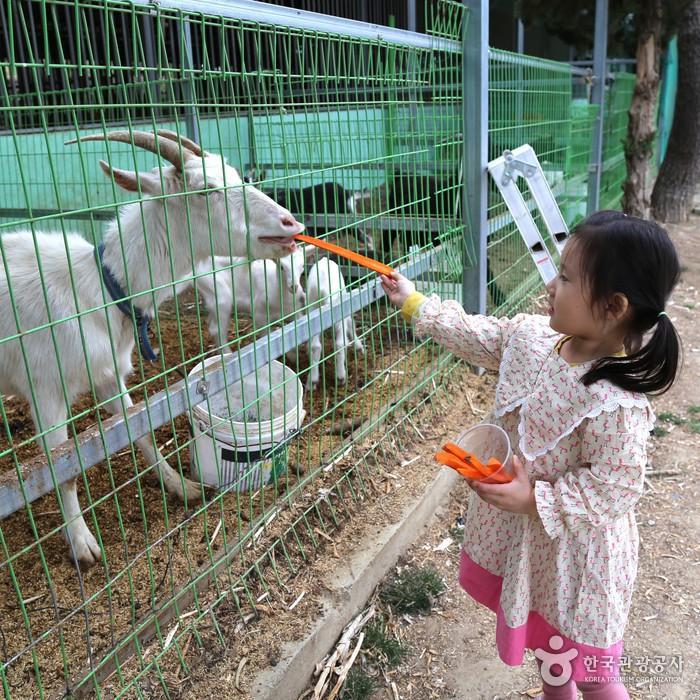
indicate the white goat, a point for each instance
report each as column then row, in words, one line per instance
column 324, row 284
column 263, row 289
column 220, row 221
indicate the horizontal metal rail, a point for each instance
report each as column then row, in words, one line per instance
column 517, row 59
column 88, row 448
column 612, row 61
column 262, row 13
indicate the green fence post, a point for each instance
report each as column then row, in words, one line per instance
column 600, row 72
column 191, row 117
column 475, row 124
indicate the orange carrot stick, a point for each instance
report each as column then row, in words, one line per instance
column 450, row 460
column 471, row 459
column 494, row 465
column 456, row 450
column 453, row 462
column 477, row 464
column 363, row 260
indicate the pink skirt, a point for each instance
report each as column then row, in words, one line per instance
column 536, row 633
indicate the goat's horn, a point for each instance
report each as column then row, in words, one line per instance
column 143, row 139
column 189, row 144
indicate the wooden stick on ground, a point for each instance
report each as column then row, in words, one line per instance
column 341, row 650
column 345, row 668
column 241, row 664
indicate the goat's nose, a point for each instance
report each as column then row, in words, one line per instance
column 289, row 223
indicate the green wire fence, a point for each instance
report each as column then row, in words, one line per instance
column 531, row 101
column 617, row 103
column 359, row 134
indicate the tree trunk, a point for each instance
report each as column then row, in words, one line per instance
column 672, row 198
column 641, row 128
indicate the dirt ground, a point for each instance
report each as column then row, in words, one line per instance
column 284, row 613
column 453, row 649
column 153, row 544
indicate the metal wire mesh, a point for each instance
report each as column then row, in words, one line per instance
column 360, row 138
column 617, row 103
column 530, row 101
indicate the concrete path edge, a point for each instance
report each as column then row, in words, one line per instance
column 349, row 588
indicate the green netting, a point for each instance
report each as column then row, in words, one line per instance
column 617, row 103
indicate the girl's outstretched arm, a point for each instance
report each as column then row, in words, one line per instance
column 475, row 338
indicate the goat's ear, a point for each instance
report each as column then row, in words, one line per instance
column 130, row 181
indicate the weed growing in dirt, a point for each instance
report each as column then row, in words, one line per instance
column 358, row 686
column 694, row 425
column 380, row 643
column 668, row 417
column 413, row 591
column 694, row 410
column 457, row 530
column 658, row 431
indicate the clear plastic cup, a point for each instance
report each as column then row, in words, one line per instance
column 488, row 441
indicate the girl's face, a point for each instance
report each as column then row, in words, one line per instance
column 570, row 310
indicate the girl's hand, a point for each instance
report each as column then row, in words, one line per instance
column 397, row 288
column 518, row 496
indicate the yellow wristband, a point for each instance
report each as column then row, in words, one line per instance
column 411, row 305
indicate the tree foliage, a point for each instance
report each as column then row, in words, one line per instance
column 574, row 21
column 640, row 28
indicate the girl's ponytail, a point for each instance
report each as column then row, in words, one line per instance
column 631, row 256
column 650, row 370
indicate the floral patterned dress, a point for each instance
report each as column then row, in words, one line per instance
column 571, row 571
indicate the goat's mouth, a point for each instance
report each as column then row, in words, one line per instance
column 286, row 241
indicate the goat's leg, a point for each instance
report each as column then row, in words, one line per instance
column 351, row 332
column 82, row 543
column 181, row 487
column 225, row 310
column 218, row 315
column 316, row 348
column 341, row 341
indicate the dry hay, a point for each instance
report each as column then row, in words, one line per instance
column 152, row 543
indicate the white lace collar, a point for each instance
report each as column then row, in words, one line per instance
column 552, row 400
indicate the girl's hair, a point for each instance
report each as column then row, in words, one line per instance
column 634, row 257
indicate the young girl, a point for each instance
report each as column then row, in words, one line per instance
column 554, row 552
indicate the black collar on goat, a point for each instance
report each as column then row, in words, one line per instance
column 126, row 307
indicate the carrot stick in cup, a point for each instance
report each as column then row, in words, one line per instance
column 461, row 467
column 471, row 459
column 493, row 465
column 363, row 260
column 450, row 460
column 477, row 464
column 456, row 450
